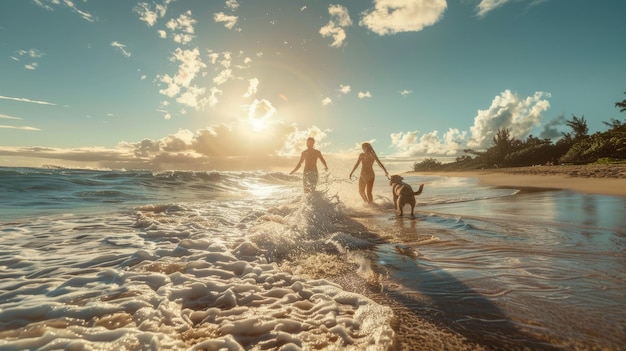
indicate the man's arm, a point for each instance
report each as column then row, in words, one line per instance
column 299, row 163
column 323, row 160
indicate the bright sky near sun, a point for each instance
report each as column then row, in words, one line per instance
column 235, row 84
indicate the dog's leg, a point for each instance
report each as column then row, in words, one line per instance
column 394, row 193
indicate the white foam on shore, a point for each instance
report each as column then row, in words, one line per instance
column 183, row 278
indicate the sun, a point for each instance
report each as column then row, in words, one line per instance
column 258, row 124
column 259, row 113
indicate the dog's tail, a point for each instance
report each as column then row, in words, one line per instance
column 419, row 191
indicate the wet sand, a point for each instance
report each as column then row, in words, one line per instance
column 595, row 179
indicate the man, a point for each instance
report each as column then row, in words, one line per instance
column 310, row 157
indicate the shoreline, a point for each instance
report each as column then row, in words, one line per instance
column 607, row 179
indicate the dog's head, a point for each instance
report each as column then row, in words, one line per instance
column 395, row 179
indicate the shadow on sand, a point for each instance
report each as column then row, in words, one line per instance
column 433, row 294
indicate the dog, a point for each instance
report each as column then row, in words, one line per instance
column 403, row 194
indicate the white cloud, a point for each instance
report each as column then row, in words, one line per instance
column 223, row 76
column 229, row 20
column 406, row 92
column 33, row 53
column 8, row 117
column 339, row 18
column 192, row 97
column 148, row 15
column 190, row 65
column 2, row 116
column 411, row 144
column 344, row 89
column 227, row 61
column 166, row 114
column 486, row 6
column 172, row 88
column 217, row 147
column 252, row 87
column 232, row 4
column 327, row 101
column 182, row 28
column 363, row 95
column 213, row 56
column 19, row 127
column 43, row 3
column 85, row 15
column 92, row 156
column 19, row 55
column 27, row 100
column 49, row 5
column 396, row 16
column 295, row 140
column 121, row 48
column 508, row 110
column 213, row 100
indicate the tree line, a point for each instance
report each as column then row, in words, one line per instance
column 575, row 147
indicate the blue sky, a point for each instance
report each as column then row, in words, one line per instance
column 241, row 84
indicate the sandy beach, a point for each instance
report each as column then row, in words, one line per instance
column 595, row 179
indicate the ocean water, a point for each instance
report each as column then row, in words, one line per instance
column 140, row 260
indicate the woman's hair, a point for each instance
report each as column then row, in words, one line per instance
column 368, row 147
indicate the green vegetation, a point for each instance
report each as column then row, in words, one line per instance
column 576, row 147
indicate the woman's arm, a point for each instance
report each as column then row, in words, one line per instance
column 356, row 165
column 381, row 165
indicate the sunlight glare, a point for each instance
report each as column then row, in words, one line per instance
column 258, row 124
column 259, row 112
column 262, row 191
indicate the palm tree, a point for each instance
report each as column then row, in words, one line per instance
column 621, row 105
column 502, row 145
column 615, row 124
column 579, row 127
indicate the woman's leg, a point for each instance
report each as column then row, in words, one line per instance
column 370, row 186
column 362, row 184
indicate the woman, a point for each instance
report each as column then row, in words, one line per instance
column 366, row 180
